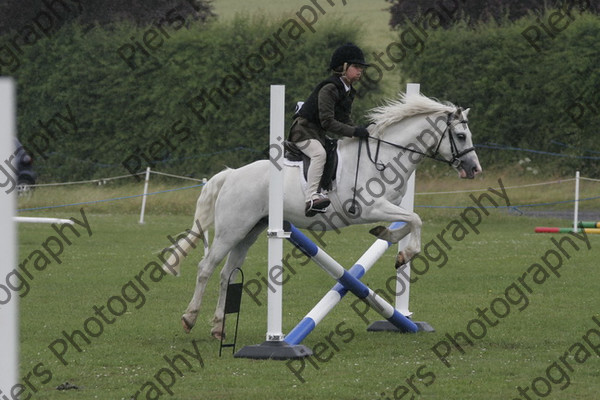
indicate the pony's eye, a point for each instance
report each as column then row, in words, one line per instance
column 461, row 136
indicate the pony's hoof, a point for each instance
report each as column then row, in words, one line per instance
column 378, row 230
column 400, row 260
column 218, row 335
column 187, row 327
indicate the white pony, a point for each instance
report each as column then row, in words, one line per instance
column 368, row 189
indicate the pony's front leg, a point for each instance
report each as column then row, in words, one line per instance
column 392, row 213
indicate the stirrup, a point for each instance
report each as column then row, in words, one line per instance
column 315, row 206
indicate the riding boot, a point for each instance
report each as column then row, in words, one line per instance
column 317, row 204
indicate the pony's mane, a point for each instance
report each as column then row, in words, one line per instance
column 394, row 111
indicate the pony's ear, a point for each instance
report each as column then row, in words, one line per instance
column 461, row 113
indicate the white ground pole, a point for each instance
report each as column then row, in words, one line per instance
column 36, row 220
column 145, row 195
column 9, row 343
column 576, row 206
column 275, row 347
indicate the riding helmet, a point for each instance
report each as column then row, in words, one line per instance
column 347, row 53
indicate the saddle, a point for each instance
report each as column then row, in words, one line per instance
column 293, row 153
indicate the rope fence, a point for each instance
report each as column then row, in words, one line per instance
column 203, row 181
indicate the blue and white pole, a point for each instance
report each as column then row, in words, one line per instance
column 335, row 295
column 347, row 281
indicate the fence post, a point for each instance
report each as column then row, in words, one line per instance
column 145, row 195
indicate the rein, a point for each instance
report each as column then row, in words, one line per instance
column 454, row 162
column 456, row 155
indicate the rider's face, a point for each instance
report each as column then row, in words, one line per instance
column 354, row 72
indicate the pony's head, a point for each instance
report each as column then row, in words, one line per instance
column 456, row 144
column 448, row 124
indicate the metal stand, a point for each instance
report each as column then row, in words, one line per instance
column 233, row 301
column 274, row 350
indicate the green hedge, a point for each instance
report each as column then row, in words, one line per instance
column 116, row 105
column 137, row 110
column 526, row 89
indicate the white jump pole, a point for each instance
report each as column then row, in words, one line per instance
column 275, row 347
column 403, row 273
column 9, row 335
column 408, row 203
column 275, row 231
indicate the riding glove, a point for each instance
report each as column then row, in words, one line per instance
column 361, row 132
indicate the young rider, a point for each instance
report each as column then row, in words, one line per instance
column 327, row 110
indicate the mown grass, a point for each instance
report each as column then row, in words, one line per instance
column 360, row 365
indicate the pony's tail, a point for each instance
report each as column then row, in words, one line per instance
column 204, row 218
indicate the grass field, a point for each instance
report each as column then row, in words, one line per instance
column 537, row 338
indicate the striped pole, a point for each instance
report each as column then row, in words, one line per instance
column 348, row 281
column 589, row 224
column 545, row 229
column 335, row 295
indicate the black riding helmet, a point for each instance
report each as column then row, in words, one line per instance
column 348, row 53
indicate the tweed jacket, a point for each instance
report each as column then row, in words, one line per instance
column 326, row 111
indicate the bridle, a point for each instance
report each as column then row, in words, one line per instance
column 456, row 154
column 454, row 161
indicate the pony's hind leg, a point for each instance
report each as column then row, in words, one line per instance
column 234, row 260
column 206, row 267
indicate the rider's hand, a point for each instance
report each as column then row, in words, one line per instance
column 361, row 132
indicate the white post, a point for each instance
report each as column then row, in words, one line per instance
column 275, row 230
column 275, row 347
column 9, row 334
column 145, row 195
column 408, row 203
column 576, row 207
